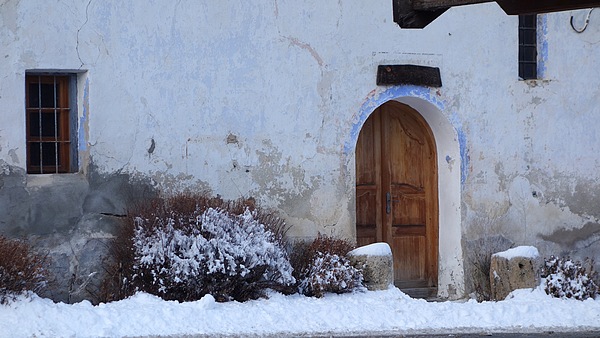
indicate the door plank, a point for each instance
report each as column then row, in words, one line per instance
column 368, row 182
column 409, row 262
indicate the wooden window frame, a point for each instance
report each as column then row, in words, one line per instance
column 528, row 47
column 54, row 132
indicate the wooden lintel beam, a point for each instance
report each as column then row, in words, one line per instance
column 430, row 5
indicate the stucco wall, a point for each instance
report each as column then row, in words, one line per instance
column 265, row 98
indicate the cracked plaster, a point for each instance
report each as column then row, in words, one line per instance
column 266, row 99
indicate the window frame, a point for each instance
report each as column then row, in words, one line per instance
column 62, row 112
column 528, row 45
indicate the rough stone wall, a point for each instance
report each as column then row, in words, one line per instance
column 71, row 218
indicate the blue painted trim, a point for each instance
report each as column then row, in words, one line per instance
column 380, row 98
column 542, row 38
column 462, row 144
column 82, row 142
column 395, row 92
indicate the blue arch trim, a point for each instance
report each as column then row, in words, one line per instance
column 395, row 92
column 380, row 98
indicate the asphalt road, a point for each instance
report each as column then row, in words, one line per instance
column 545, row 334
column 590, row 334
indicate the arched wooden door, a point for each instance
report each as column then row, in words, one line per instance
column 397, row 194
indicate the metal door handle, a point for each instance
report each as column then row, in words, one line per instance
column 388, row 203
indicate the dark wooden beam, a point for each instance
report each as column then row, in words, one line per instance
column 406, row 17
column 515, row 7
column 428, row 5
column 391, row 75
column 419, row 13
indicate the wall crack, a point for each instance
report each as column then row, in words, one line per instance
column 79, row 30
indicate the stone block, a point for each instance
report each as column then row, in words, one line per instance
column 513, row 269
column 377, row 264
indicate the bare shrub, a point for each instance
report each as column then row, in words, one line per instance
column 21, row 269
column 322, row 266
column 186, row 246
column 479, row 255
column 564, row 278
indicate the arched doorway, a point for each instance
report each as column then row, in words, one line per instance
column 397, row 194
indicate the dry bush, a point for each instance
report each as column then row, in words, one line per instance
column 322, row 266
column 564, row 278
column 188, row 245
column 479, row 255
column 21, row 269
column 303, row 253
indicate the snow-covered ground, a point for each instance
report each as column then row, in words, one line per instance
column 374, row 312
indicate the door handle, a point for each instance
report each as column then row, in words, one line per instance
column 388, row 203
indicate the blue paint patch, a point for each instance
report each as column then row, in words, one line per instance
column 464, row 156
column 462, row 144
column 380, row 98
column 542, row 38
column 81, row 139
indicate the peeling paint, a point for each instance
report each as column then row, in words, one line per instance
column 542, row 39
column 570, row 237
column 464, row 150
column 84, row 130
column 303, row 45
column 12, row 153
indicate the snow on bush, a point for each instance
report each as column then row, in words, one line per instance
column 21, row 269
column 322, row 266
column 186, row 256
column 330, row 273
column 563, row 278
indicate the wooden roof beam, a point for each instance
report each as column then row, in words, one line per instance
column 430, row 5
column 511, row 7
column 419, row 13
column 518, row 7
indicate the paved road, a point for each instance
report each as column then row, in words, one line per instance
column 594, row 334
column 547, row 334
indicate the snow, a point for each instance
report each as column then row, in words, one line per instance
column 207, row 243
column 520, row 251
column 389, row 312
column 375, row 249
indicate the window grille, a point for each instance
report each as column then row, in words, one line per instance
column 528, row 47
column 48, row 118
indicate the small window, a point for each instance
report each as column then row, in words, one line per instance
column 51, row 123
column 528, row 47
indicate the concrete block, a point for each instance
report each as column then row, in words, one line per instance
column 377, row 264
column 513, row 269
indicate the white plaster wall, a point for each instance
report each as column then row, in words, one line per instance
column 263, row 98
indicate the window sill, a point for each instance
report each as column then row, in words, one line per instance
column 47, row 180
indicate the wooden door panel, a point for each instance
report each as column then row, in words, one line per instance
column 405, row 148
column 365, row 155
column 366, row 215
column 409, row 230
column 409, row 206
column 368, row 182
column 409, row 262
